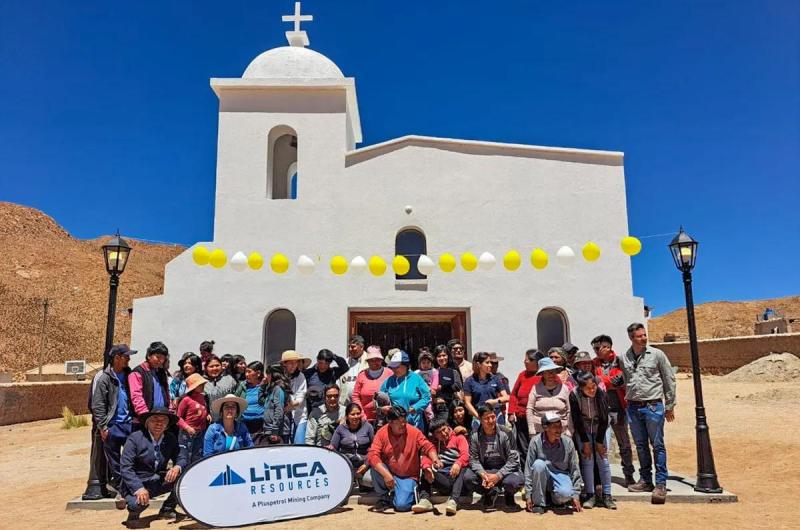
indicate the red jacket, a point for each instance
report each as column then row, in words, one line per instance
column 519, row 394
column 401, row 454
column 456, row 445
column 613, row 371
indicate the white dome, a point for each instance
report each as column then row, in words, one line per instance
column 292, row 62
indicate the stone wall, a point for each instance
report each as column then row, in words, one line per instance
column 21, row 402
column 720, row 356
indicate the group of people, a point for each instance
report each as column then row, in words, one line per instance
column 450, row 426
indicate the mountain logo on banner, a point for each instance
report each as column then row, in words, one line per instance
column 228, row 477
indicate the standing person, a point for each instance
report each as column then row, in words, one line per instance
column 353, row 438
column 407, row 389
column 276, row 391
column 459, row 354
column 570, row 350
column 111, row 408
column 148, row 381
column 219, row 384
column 430, row 375
column 227, row 434
column 518, row 401
column 206, row 350
column 450, row 383
column 294, row 364
column 188, row 365
column 251, row 391
column 192, row 411
column 650, row 393
column 493, row 462
column 484, row 388
column 549, row 395
column 552, row 467
column 227, row 363
column 144, row 466
column 589, row 409
column 238, row 368
column 325, row 373
column 584, row 363
column 394, row 457
column 356, row 363
column 559, row 356
column 460, row 418
column 606, row 369
column 323, row 420
column 368, row 383
column 453, row 451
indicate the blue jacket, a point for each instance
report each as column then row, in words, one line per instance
column 215, row 438
column 138, row 463
column 409, row 391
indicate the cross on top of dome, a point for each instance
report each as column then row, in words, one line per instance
column 297, row 37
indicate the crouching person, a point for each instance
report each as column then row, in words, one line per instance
column 394, row 457
column 493, row 462
column 144, row 466
column 453, row 451
column 552, row 468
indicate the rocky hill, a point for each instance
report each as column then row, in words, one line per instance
column 38, row 260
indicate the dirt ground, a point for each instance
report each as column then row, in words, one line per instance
column 755, row 447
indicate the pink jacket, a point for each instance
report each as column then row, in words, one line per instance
column 365, row 389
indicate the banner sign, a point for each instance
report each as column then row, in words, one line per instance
column 265, row 484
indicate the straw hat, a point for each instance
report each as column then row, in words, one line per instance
column 193, row 381
column 291, row 355
column 216, row 406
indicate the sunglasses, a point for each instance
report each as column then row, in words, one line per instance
column 457, row 348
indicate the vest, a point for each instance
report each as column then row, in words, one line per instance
column 147, row 385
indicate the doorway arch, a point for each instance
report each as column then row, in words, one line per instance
column 280, row 334
column 552, row 328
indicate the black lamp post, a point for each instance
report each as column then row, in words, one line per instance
column 115, row 253
column 684, row 252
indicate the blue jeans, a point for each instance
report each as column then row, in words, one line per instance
column 300, row 433
column 193, row 445
column 647, row 428
column 587, row 465
column 155, row 486
column 112, row 447
column 405, row 490
column 543, row 478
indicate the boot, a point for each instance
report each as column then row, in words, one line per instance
column 641, row 487
column 629, row 480
column 608, row 502
column 489, row 498
column 659, row 494
column 511, row 504
column 589, row 503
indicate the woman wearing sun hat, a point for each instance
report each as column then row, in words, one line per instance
column 549, row 394
column 192, row 411
column 294, row 363
column 227, row 434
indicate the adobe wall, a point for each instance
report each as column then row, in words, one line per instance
column 21, row 402
column 721, row 356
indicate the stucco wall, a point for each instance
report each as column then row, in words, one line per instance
column 728, row 354
column 21, row 402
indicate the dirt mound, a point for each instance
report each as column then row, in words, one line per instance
column 40, row 260
column 772, row 368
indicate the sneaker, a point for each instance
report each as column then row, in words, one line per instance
column 450, row 507
column 539, row 510
column 589, row 503
column 511, row 504
column 489, row 498
column 641, row 487
column 629, row 480
column 607, row 501
column 659, row 494
column 422, row 506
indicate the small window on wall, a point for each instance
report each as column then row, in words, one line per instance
column 280, row 331
column 551, row 328
column 411, row 244
column 282, row 163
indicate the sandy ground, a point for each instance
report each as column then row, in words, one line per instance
column 755, row 446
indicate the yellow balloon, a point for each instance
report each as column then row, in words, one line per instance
column 539, row 259
column 447, row 262
column 200, row 255
column 512, row 260
column 401, row 265
column 338, row 265
column 469, row 261
column 377, row 266
column 591, row 252
column 279, row 263
column 631, row 246
column 255, row 261
column 217, row 258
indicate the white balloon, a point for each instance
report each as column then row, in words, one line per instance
column 565, row 253
column 425, row 265
column 358, row 265
column 305, row 265
column 486, row 261
column 239, row 262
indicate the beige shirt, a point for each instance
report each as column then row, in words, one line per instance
column 466, row 369
column 541, row 400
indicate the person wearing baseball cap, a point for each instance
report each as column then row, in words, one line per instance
column 552, row 467
column 407, row 389
column 111, row 408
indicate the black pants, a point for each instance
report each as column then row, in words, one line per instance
column 254, row 426
column 511, row 483
column 523, row 439
column 444, row 483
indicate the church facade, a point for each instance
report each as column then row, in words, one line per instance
column 291, row 179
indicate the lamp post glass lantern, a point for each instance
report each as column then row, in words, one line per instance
column 684, row 254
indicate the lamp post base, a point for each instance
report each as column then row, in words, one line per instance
column 707, row 484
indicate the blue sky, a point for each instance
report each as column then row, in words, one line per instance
column 107, row 119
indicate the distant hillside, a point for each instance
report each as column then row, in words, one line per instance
column 39, row 259
column 722, row 319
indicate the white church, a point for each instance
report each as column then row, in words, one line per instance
column 291, row 179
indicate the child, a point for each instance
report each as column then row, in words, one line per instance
column 193, row 417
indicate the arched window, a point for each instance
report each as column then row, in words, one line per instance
column 282, row 163
column 411, row 244
column 280, row 331
column 552, row 328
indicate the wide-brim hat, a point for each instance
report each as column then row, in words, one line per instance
column 159, row 411
column 582, row 357
column 216, row 406
column 193, row 381
column 493, row 357
column 291, row 355
column 546, row 364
